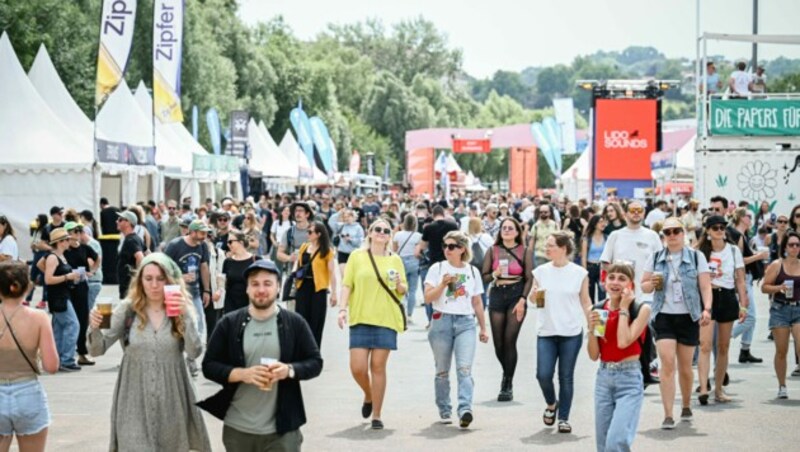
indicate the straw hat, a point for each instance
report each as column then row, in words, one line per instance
column 57, row 235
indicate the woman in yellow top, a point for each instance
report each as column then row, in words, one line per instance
column 315, row 258
column 374, row 283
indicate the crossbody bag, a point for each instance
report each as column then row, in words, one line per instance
column 388, row 290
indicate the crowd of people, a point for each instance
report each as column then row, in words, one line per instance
column 652, row 288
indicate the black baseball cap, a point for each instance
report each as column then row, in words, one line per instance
column 55, row 209
column 714, row 220
column 262, row 264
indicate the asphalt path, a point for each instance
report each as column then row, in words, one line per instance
column 81, row 403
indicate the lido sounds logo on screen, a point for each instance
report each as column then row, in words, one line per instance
column 622, row 139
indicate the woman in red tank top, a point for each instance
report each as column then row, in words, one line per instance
column 619, row 389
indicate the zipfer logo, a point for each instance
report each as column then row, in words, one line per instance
column 621, row 139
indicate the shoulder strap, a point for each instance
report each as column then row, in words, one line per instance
column 514, row 255
column 694, row 258
column 290, row 239
column 130, row 315
column 19, row 347
column 410, row 234
column 389, row 291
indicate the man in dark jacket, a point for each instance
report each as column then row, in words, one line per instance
column 259, row 354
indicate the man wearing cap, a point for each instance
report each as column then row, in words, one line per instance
column 296, row 235
column 191, row 254
column 170, row 226
column 259, row 354
column 131, row 252
column 56, row 221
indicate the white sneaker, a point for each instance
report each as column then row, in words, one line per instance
column 782, row 393
column 796, row 372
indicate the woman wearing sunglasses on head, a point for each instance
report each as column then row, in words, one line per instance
column 619, row 386
column 508, row 267
column 315, row 258
column 681, row 280
column 782, row 282
column 454, row 287
column 727, row 281
column 374, row 283
column 239, row 258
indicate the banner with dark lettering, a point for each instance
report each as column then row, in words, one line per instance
column 125, row 154
column 116, row 35
column 626, row 133
column 167, row 41
column 238, row 145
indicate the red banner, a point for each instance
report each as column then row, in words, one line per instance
column 625, row 137
column 522, row 170
column 419, row 163
column 483, row 146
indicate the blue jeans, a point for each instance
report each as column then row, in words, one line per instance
column 453, row 335
column 423, row 273
column 411, row 265
column 564, row 350
column 746, row 328
column 197, row 301
column 94, row 290
column 65, row 332
column 618, row 397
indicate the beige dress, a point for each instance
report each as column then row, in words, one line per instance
column 154, row 398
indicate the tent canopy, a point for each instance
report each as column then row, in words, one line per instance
column 266, row 157
column 308, row 175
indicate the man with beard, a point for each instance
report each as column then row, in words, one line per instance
column 259, row 354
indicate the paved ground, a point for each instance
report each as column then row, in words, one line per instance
column 81, row 403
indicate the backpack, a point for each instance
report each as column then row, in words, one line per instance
column 646, row 342
column 477, row 254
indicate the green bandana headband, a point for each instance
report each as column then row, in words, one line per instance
column 165, row 262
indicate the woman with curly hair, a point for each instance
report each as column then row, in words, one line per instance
column 154, row 401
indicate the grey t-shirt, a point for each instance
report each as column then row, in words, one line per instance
column 253, row 410
column 299, row 237
column 673, row 291
column 408, row 244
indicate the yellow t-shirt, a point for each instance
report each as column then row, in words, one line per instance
column 369, row 303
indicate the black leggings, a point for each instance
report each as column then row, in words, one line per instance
column 505, row 331
column 312, row 306
column 79, row 295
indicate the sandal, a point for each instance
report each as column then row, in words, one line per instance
column 722, row 398
column 549, row 417
column 564, row 427
column 703, row 399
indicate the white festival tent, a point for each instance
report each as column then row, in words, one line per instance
column 576, row 181
column 309, row 175
column 117, row 182
column 266, row 158
column 42, row 162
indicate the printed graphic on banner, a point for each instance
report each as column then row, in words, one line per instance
column 125, row 154
column 238, row 144
column 167, row 44
column 482, row 146
column 755, row 117
column 116, row 35
column 625, row 139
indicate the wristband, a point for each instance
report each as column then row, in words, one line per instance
column 743, row 309
column 624, row 313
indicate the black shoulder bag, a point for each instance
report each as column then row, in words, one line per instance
column 388, row 290
column 290, row 287
column 19, row 347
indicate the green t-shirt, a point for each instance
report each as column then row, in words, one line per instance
column 369, row 303
column 253, row 410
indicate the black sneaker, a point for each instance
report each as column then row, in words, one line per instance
column 668, row 424
column 686, row 414
column 69, row 368
column 377, row 424
column 465, row 420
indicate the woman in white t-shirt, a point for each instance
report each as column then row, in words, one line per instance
column 559, row 325
column 727, row 280
column 8, row 241
column 454, row 287
column 279, row 228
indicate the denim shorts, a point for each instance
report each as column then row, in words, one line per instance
column 783, row 315
column 371, row 336
column 23, row 408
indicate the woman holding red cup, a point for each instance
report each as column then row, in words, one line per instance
column 154, row 401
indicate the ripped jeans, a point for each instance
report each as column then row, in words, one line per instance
column 453, row 335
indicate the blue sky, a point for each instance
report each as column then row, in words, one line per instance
column 514, row 34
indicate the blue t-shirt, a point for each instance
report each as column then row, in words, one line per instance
column 188, row 258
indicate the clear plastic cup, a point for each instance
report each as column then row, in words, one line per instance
column 173, row 310
column 267, row 362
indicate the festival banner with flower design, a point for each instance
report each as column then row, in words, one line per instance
column 757, row 117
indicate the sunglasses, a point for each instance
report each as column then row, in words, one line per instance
column 311, row 231
column 380, row 230
column 171, row 208
column 672, row 231
column 223, row 220
column 782, row 221
column 717, row 227
column 232, row 241
column 636, row 210
column 451, row 246
column 508, row 228
column 793, row 245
